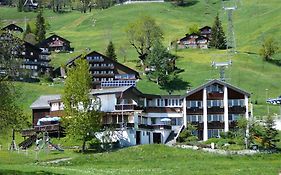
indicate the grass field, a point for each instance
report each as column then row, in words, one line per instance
column 146, row 159
column 253, row 21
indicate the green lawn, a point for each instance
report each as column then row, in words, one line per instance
column 146, row 159
column 253, row 21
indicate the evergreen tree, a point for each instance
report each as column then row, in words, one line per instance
column 20, row 5
column 269, row 138
column 40, row 31
column 110, row 51
column 82, row 116
column 218, row 40
column 268, row 49
column 27, row 30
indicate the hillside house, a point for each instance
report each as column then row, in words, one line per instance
column 193, row 41
column 139, row 118
column 55, row 43
column 34, row 61
column 12, row 28
column 206, row 31
column 107, row 72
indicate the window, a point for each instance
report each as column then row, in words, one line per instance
column 153, row 120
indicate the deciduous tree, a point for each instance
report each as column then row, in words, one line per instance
column 142, row 35
column 82, row 116
column 268, row 49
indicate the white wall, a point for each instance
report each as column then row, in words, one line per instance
column 108, row 102
column 164, row 115
column 278, row 124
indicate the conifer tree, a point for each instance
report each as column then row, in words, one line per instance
column 20, row 5
column 27, row 30
column 218, row 40
column 40, row 31
column 110, row 51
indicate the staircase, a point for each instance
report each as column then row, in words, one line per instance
column 27, row 142
column 172, row 139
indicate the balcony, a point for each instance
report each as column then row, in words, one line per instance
column 28, row 132
column 140, row 126
column 161, row 127
column 103, row 75
column 48, row 128
column 194, row 111
column 237, row 109
column 127, row 107
column 102, row 67
column 118, row 83
column 215, row 110
column 215, row 96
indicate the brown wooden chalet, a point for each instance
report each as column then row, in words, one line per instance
column 12, row 28
column 107, row 72
column 34, row 61
column 206, row 31
column 55, row 43
column 193, row 41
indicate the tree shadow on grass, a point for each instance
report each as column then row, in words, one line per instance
column 187, row 4
column 177, row 84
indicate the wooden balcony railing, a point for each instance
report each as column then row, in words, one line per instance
column 237, row 109
column 140, row 126
column 194, row 111
column 126, row 107
column 48, row 128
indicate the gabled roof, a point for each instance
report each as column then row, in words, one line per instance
column 201, row 37
column 205, row 27
column 217, row 82
column 27, row 44
column 43, row 101
column 187, row 36
column 97, row 53
column 49, row 39
column 114, row 90
column 12, row 27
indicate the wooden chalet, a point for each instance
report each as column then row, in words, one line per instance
column 206, row 31
column 107, row 72
column 12, row 28
column 30, row 5
column 55, row 43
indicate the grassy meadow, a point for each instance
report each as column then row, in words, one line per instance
column 146, row 159
column 253, row 21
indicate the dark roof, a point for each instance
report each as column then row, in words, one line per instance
column 113, row 61
column 27, row 44
column 187, row 36
column 201, row 37
column 205, row 27
column 47, row 40
column 12, row 27
column 217, row 82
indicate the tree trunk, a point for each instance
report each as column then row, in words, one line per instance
column 84, row 145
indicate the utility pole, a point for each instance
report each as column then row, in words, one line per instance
column 222, row 66
column 231, row 42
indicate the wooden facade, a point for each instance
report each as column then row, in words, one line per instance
column 55, row 43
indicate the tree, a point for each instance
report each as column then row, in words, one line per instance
column 20, row 5
column 82, row 117
column 268, row 49
column 194, row 29
column 161, row 63
column 10, row 113
column 40, row 31
column 27, row 30
column 143, row 34
column 218, row 40
column 110, row 51
column 269, row 138
column 187, row 134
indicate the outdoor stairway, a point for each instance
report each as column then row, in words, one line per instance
column 172, row 139
column 27, row 142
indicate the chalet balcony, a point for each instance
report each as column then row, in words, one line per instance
column 194, row 111
column 163, row 109
column 215, row 110
column 102, row 68
column 48, row 128
column 215, row 96
column 28, row 132
column 127, row 107
column 237, row 109
column 103, row 75
column 160, row 127
column 140, row 126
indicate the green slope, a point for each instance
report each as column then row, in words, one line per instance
column 253, row 21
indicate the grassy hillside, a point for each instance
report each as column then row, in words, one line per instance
column 146, row 159
column 253, row 21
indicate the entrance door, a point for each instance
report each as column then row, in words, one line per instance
column 157, row 138
column 138, row 137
